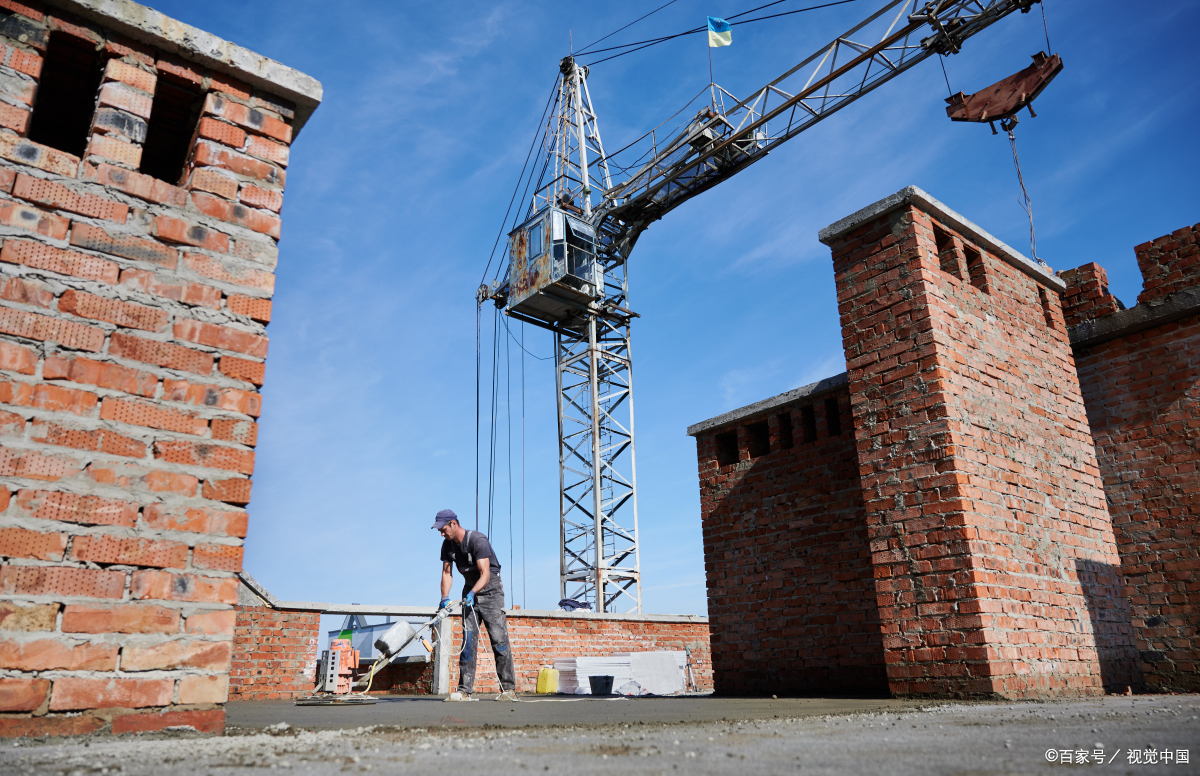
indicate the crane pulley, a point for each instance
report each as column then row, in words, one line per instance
column 568, row 257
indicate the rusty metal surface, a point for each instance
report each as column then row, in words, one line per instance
column 1004, row 98
column 528, row 275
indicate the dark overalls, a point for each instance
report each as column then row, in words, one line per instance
column 488, row 609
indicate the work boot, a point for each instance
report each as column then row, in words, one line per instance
column 508, row 695
column 455, row 697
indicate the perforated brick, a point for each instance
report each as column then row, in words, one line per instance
column 130, row 551
column 39, row 327
column 162, row 354
column 250, row 306
column 242, row 369
column 58, row 196
column 47, row 257
column 43, row 580
column 75, row 508
column 20, row 543
column 152, row 416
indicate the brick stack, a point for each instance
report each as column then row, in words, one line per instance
column 132, row 348
column 1140, row 373
column 996, row 567
column 274, row 654
column 791, row 591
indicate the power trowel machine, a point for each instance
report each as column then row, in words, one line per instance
column 334, row 675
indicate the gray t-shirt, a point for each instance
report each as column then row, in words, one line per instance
column 474, row 546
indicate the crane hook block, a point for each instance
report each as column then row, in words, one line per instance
column 1004, row 98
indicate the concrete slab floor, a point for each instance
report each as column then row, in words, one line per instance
column 820, row 736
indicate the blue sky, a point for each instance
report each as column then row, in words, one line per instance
column 398, row 184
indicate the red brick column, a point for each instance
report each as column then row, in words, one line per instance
column 1087, row 297
column 132, row 347
column 1170, row 263
column 995, row 563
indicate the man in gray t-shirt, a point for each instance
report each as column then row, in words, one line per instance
column 483, row 600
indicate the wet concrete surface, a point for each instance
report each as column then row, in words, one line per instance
column 1132, row 735
column 547, row 710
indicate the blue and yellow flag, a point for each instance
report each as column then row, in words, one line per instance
column 719, row 32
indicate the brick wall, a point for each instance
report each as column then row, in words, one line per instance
column 791, row 592
column 132, row 347
column 276, row 651
column 539, row 637
column 1141, row 384
column 996, row 567
column 275, row 654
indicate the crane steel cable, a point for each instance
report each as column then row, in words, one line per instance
column 522, row 347
column 478, row 312
column 701, row 29
column 1046, row 27
column 517, row 188
column 665, row 38
column 524, row 587
column 492, row 445
column 545, row 164
column 508, row 438
column 627, row 26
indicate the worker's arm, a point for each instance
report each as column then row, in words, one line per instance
column 447, row 578
column 485, row 574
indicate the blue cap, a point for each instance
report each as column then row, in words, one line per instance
column 443, row 517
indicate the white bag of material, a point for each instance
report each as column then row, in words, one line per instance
column 394, row 638
column 630, row 688
column 657, row 672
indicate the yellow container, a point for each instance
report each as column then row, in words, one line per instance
column 547, row 683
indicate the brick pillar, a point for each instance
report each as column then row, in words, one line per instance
column 132, row 346
column 995, row 564
column 1086, row 296
column 1169, row 264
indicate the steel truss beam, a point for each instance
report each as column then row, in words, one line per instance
column 724, row 140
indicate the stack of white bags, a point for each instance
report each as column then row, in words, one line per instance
column 633, row 673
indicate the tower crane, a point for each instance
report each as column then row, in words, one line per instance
column 567, row 259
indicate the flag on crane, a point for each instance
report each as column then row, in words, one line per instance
column 720, row 33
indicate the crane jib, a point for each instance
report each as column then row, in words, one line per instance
column 948, row 31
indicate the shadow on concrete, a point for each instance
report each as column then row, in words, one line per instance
column 1112, row 623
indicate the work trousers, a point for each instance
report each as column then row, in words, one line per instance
column 488, row 609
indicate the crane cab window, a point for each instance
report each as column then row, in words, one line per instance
column 537, row 243
column 580, row 245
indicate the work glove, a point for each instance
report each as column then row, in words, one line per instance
column 445, row 602
column 470, row 599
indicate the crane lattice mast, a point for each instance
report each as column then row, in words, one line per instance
column 567, row 260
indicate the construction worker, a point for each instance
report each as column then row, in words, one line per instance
column 483, row 600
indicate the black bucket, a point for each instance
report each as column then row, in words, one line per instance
column 601, row 685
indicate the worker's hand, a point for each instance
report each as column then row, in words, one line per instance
column 470, row 599
column 445, row 602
